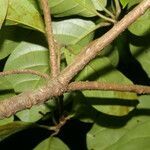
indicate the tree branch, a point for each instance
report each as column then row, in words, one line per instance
column 27, row 99
column 95, row 47
column 50, row 38
column 58, row 85
column 139, row 89
column 25, row 71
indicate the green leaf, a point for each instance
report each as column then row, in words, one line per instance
column 136, row 138
column 101, row 137
column 63, row 8
column 109, row 102
column 10, row 37
column 80, row 107
column 144, row 102
column 99, row 4
column 35, row 4
column 6, row 120
column 111, row 51
column 129, row 2
column 133, row 3
column 124, row 2
column 27, row 56
column 5, row 84
column 3, row 11
column 140, row 49
column 70, row 31
column 12, row 128
column 142, row 25
column 24, row 12
column 6, row 94
column 36, row 112
column 51, row 143
column 86, row 8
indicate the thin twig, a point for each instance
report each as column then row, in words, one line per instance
column 50, row 38
column 113, row 7
column 109, row 13
column 118, row 8
column 139, row 89
column 106, row 18
column 63, row 120
column 25, row 71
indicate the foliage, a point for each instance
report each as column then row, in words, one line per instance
column 117, row 121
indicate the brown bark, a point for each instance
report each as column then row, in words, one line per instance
column 50, row 38
column 59, row 85
column 139, row 89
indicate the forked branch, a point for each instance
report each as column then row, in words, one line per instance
column 59, row 84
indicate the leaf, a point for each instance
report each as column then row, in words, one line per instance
column 35, row 4
column 36, row 112
column 80, row 107
column 124, row 2
column 99, row 4
column 86, row 8
column 72, row 7
column 109, row 102
column 10, row 37
column 4, row 84
column 51, row 143
column 24, row 12
column 6, row 120
column 142, row 25
column 12, row 128
column 141, row 51
column 144, row 102
column 133, row 3
column 70, row 31
column 136, row 138
column 3, row 11
column 27, row 56
column 66, row 32
column 6, row 94
column 129, row 2
column 111, row 51
column 101, row 137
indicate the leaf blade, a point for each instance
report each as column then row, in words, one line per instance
column 3, row 11
column 52, row 143
column 24, row 12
